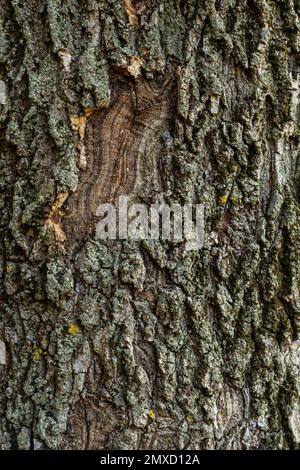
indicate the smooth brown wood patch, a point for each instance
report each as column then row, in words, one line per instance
column 123, row 145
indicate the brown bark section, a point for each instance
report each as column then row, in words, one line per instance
column 123, row 146
column 134, row 345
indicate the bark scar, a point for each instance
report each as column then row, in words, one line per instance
column 54, row 219
column 78, row 123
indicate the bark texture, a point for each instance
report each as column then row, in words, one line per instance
column 138, row 345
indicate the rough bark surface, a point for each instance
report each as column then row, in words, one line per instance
column 128, row 345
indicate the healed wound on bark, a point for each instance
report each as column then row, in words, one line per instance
column 123, row 145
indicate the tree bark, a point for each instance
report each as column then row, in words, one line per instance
column 141, row 344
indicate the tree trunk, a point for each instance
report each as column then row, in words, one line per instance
column 124, row 344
